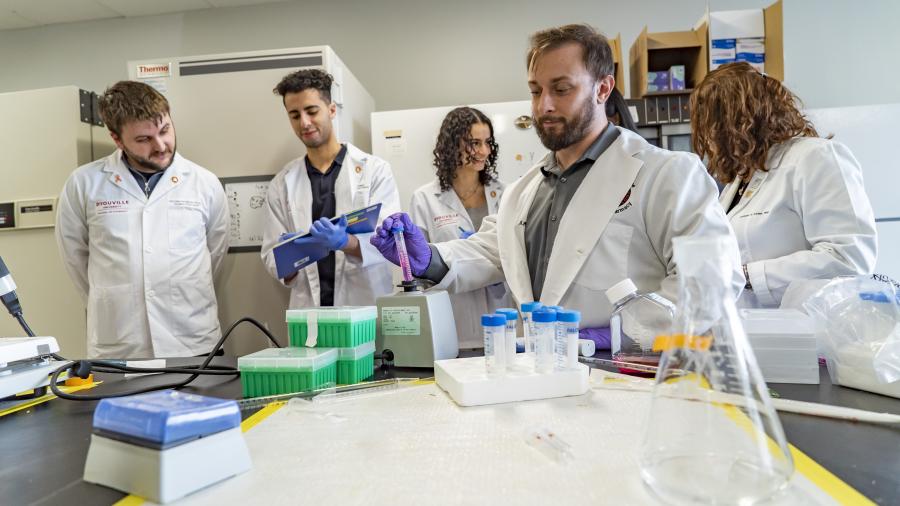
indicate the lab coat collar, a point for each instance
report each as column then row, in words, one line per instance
column 511, row 216
column 176, row 175
column 729, row 193
column 118, row 174
column 449, row 198
column 591, row 209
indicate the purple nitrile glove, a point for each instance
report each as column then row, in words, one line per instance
column 416, row 246
column 329, row 235
column 600, row 336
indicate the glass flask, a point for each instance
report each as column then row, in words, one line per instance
column 712, row 435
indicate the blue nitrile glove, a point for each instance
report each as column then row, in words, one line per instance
column 600, row 336
column 464, row 234
column 416, row 246
column 287, row 235
column 329, row 235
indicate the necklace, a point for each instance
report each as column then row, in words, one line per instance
column 469, row 193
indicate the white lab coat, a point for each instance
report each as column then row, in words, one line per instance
column 364, row 180
column 808, row 217
column 620, row 223
column 145, row 266
column 440, row 214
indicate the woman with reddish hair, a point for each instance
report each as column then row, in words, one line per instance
column 795, row 200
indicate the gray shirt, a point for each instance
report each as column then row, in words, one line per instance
column 550, row 202
column 477, row 214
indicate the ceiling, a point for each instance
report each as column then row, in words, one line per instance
column 15, row 14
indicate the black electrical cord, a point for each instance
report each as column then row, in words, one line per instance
column 82, row 368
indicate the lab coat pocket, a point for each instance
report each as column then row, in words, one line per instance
column 112, row 314
column 607, row 263
column 187, row 228
column 194, row 311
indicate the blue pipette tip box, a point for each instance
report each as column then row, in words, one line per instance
column 165, row 418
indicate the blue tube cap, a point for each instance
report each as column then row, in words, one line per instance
column 510, row 313
column 554, row 308
column 397, row 226
column 568, row 316
column 544, row 316
column 493, row 320
column 528, row 307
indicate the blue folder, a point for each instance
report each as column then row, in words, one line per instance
column 291, row 256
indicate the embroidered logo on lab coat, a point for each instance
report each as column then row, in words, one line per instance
column 118, row 179
column 102, row 207
column 625, row 204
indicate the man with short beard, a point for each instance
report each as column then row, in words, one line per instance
column 141, row 233
column 602, row 206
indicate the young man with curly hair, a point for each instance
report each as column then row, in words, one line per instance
column 602, row 206
column 332, row 179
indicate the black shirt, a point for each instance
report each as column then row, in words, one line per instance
column 324, row 206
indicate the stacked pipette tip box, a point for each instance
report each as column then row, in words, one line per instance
column 328, row 346
column 784, row 343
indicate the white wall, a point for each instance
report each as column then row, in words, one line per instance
column 425, row 53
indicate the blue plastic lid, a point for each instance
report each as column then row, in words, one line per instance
column 568, row 316
column 528, row 307
column 397, row 226
column 510, row 313
column 878, row 297
column 493, row 320
column 166, row 416
column 544, row 316
column 554, row 308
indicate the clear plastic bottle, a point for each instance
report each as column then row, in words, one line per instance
column 509, row 341
column 712, row 435
column 566, row 347
column 528, row 324
column 635, row 322
column 494, row 328
column 545, row 332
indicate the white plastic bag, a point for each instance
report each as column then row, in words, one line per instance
column 860, row 318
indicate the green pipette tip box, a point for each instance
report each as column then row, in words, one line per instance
column 338, row 327
column 275, row 371
column 355, row 364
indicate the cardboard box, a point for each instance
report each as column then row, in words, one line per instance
column 754, row 35
column 655, row 52
column 676, row 77
column 619, row 70
column 658, row 81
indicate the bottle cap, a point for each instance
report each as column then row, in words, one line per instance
column 568, row 316
column 620, row 290
column 528, row 307
column 493, row 320
column 397, row 226
column 544, row 316
column 510, row 313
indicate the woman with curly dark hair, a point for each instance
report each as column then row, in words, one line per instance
column 451, row 207
column 795, row 200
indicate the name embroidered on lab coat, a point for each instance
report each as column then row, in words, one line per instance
column 110, row 206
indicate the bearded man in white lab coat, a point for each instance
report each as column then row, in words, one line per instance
column 331, row 180
column 602, row 206
column 141, row 233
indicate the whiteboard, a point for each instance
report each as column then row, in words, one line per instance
column 246, row 198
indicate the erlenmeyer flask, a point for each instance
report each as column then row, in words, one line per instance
column 712, row 436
